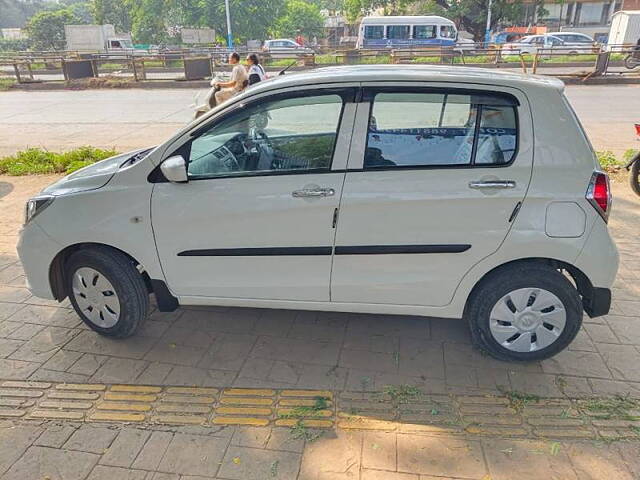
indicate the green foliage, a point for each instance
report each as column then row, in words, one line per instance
column 14, row 13
column 7, row 45
column 401, row 393
column 40, row 161
column 617, row 407
column 607, row 160
column 519, row 400
column 115, row 12
column 46, row 28
column 299, row 17
column 6, row 84
column 629, row 154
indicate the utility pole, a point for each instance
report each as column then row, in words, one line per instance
column 487, row 33
column 229, row 34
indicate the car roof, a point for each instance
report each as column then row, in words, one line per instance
column 407, row 73
column 555, row 34
column 280, row 40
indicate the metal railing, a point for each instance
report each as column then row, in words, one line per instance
column 156, row 65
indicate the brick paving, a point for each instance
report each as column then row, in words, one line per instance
column 219, row 347
column 97, row 408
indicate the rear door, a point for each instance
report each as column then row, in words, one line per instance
column 435, row 178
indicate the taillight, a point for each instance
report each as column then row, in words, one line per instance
column 599, row 194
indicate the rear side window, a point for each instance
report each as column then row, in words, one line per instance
column 440, row 129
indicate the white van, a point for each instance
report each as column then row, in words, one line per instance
column 438, row 191
column 406, row 31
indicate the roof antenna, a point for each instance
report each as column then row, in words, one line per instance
column 282, row 72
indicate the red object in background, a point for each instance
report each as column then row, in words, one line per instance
column 638, row 129
column 300, row 40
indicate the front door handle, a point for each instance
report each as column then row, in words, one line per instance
column 493, row 184
column 313, row 192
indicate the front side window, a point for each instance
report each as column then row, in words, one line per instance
column 374, row 32
column 424, row 32
column 440, row 129
column 447, row 31
column 398, row 32
column 280, row 136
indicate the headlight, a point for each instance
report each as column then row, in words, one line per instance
column 35, row 206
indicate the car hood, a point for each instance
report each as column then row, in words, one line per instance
column 92, row 177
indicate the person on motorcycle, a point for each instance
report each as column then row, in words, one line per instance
column 237, row 83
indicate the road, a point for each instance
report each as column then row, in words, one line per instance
column 128, row 119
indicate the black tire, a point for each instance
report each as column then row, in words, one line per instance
column 127, row 282
column 508, row 279
column 634, row 177
column 631, row 62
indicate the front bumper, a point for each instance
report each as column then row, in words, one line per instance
column 37, row 250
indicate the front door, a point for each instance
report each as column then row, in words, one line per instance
column 435, row 178
column 255, row 219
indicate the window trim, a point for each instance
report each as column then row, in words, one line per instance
column 369, row 94
column 348, row 95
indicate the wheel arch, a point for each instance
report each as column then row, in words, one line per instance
column 57, row 281
column 580, row 280
column 57, row 273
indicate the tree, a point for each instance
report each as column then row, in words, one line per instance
column 300, row 16
column 115, row 12
column 46, row 28
column 14, row 13
column 471, row 15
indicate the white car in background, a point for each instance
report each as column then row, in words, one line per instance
column 575, row 39
column 437, row 191
column 465, row 45
column 284, row 47
column 532, row 44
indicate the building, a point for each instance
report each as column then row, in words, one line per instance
column 592, row 17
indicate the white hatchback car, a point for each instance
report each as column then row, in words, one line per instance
column 436, row 191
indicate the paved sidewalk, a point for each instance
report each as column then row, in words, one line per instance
column 72, row 451
column 224, row 347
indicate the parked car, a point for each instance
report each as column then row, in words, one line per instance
column 438, row 191
column 575, row 39
column 284, row 46
column 507, row 37
column 465, row 45
column 531, row 44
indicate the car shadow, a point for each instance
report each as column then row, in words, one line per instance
column 5, row 189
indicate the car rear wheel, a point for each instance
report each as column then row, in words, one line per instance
column 524, row 312
column 107, row 291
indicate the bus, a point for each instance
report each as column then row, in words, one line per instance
column 406, row 31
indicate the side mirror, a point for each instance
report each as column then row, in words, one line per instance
column 175, row 169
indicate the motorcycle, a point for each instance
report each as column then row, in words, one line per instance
column 632, row 60
column 634, row 167
column 209, row 99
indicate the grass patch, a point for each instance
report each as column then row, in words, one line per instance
column 629, row 154
column 6, row 84
column 519, row 400
column 300, row 432
column 401, row 393
column 320, row 404
column 608, row 161
column 617, row 407
column 35, row 161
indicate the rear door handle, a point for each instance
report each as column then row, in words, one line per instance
column 493, row 184
column 313, row 192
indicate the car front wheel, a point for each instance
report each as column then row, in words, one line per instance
column 107, row 291
column 524, row 312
